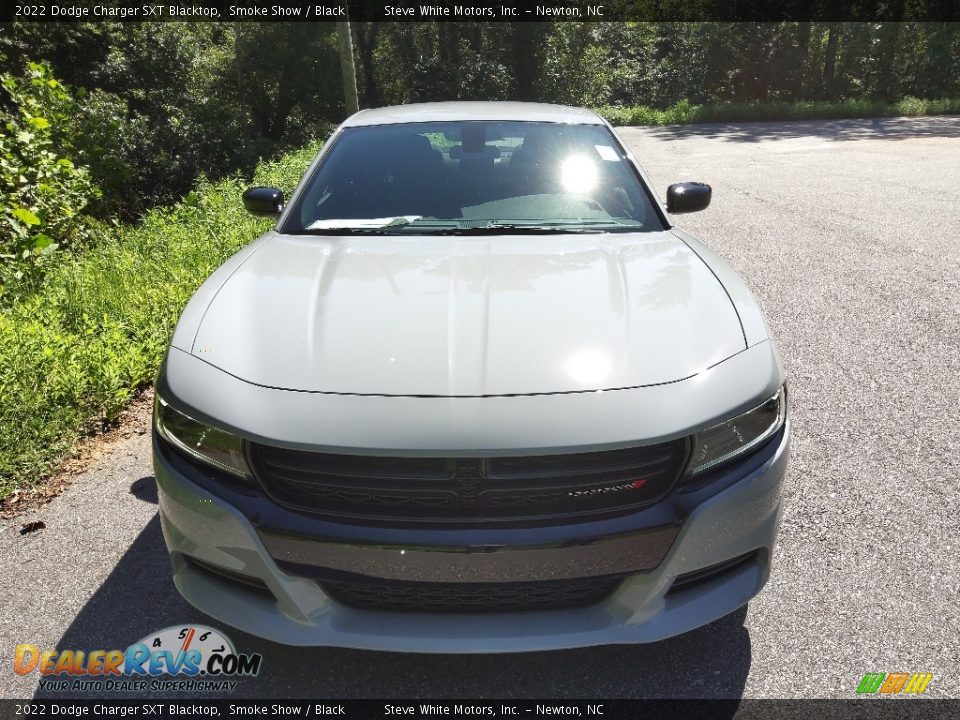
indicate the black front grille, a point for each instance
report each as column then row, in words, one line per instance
column 472, row 597
column 469, row 490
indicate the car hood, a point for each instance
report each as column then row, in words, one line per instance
column 467, row 316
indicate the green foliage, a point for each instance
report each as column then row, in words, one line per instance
column 658, row 64
column 683, row 112
column 42, row 191
column 162, row 109
column 72, row 354
column 160, row 104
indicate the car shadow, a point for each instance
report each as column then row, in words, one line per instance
column 145, row 489
column 941, row 126
column 138, row 597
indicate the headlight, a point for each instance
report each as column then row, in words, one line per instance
column 207, row 444
column 738, row 435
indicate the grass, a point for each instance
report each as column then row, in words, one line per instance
column 74, row 353
column 684, row 112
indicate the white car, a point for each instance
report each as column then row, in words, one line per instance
column 473, row 393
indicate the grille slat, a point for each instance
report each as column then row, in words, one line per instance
column 537, row 468
column 309, row 479
column 356, row 466
column 472, row 491
column 569, row 482
column 398, row 499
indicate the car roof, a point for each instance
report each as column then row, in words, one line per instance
column 465, row 111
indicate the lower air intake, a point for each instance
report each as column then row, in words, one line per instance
column 472, row 597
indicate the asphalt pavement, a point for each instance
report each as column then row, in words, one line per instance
column 849, row 234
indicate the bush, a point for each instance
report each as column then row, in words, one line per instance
column 42, row 192
column 684, row 112
column 72, row 354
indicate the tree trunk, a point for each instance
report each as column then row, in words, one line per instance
column 889, row 42
column 527, row 49
column 348, row 68
column 803, row 45
column 367, row 34
column 830, row 59
column 448, row 53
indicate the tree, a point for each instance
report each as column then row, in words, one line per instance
column 347, row 67
column 367, row 35
column 830, row 59
column 42, row 191
column 889, row 40
column 528, row 40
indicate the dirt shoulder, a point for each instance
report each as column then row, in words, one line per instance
column 133, row 421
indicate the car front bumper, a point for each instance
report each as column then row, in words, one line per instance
column 741, row 521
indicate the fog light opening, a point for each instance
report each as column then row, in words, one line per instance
column 246, row 581
column 705, row 575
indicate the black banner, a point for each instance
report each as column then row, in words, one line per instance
column 872, row 709
column 478, row 10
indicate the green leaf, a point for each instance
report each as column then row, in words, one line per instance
column 40, row 123
column 26, row 216
column 41, row 241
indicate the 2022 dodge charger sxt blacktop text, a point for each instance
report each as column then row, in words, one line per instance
column 473, row 393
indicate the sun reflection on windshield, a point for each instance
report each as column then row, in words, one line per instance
column 578, row 174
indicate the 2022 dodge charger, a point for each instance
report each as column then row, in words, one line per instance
column 473, row 393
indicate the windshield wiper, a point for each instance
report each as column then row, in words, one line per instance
column 389, row 230
column 493, row 229
column 507, row 229
column 402, row 227
column 361, row 226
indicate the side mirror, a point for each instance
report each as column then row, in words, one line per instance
column 688, row 197
column 263, row 201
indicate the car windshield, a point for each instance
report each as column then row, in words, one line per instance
column 473, row 178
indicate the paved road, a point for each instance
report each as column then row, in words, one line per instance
column 849, row 233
